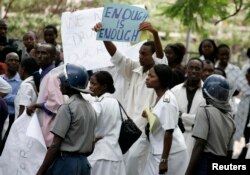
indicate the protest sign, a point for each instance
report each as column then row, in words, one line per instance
column 121, row 23
column 79, row 41
column 23, row 154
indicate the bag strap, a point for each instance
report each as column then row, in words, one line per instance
column 122, row 109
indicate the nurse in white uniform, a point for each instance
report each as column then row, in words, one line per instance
column 168, row 152
column 107, row 158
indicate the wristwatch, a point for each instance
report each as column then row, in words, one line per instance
column 163, row 160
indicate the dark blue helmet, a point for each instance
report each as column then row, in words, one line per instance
column 75, row 76
column 216, row 87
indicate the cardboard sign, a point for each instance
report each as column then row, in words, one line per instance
column 79, row 41
column 24, row 149
column 121, row 23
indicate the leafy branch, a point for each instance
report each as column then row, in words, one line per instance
column 237, row 10
column 8, row 8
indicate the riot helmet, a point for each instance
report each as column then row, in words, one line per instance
column 216, row 87
column 75, row 77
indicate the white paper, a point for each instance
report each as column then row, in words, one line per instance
column 22, row 155
column 79, row 40
column 35, row 131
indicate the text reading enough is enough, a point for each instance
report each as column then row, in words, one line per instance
column 125, row 14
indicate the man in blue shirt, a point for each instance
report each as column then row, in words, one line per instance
column 13, row 78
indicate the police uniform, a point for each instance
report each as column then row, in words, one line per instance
column 75, row 124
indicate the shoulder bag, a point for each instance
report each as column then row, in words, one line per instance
column 129, row 132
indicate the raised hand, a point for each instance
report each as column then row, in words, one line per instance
column 97, row 27
column 147, row 26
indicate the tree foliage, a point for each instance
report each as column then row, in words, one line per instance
column 173, row 17
column 195, row 13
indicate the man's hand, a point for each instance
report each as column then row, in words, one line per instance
column 97, row 27
column 30, row 110
column 144, row 114
column 147, row 26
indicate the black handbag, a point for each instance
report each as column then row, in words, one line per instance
column 129, row 132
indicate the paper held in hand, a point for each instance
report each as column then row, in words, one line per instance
column 152, row 119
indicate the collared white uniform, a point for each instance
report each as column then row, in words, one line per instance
column 235, row 78
column 166, row 111
column 26, row 94
column 188, row 118
column 139, row 97
column 107, row 157
column 121, row 84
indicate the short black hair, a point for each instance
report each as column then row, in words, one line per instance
column 51, row 27
column 31, row 66
column 165, row 75
column 53, row 51
column 222, row 46
column 179, row 50
column 197, row 59
column 151, row 44
column 105, row 78
column 31, row 33
column 213, row 44
column 208, row 62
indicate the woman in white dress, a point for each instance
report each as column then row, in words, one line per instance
column 107, row 157
column 28, row 90
column 168, row 152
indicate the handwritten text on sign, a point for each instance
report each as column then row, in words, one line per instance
column 79, row 41
column 121, row 23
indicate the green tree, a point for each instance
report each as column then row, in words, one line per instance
column 194, row 13
column 173, row 18
column 223, row 20
column 33, row 15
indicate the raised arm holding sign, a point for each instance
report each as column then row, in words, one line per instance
column 139, row 96
column 144, row 26
column 120, row 23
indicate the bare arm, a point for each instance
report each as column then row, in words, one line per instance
column 158, row 47
column 196, row 155
column 168, row 137
column 110, row 47
column 31, row 109
column 51, row 155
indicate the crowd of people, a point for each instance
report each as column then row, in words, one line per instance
column 196, row 105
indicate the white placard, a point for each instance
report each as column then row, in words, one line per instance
column 79, row 41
